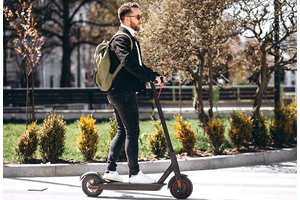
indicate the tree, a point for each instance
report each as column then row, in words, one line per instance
column 9, row 34
column 188, row 37
column 59, row 21
column 238, row 66
column 106, row 12
column 28, row 43
column 254, row 17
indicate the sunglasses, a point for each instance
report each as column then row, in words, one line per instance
column 138, row 17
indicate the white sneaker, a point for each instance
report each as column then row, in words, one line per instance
column 140, row 178
column 112, row 176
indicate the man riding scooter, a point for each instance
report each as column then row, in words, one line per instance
column 122, row 96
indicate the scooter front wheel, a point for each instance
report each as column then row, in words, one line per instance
column 90, row 185
column 182, row 192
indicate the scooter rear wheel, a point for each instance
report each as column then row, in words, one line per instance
column 91, row 180
column 182, row 192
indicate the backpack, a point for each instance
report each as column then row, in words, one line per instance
column 102, row 75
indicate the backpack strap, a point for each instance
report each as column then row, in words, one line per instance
column 121, row 33
column 131, row 47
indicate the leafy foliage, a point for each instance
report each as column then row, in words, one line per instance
column 292, row 110
column 185, row 134
column 87, row 139
column 52, row 138
column 259, row 131
column 215, row 131
column 113, row 127
column 187, row 38
column 27, row 142
column 284, row 127
column 28, row 43
column 241, row 129
column 156, row 140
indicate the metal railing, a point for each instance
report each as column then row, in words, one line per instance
column 170, row 94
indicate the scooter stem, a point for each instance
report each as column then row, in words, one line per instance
column 167, row 135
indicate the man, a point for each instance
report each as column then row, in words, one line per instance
column 130, row 79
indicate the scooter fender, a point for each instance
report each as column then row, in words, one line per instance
column 90, row 173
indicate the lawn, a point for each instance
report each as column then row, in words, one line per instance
column 11, row 132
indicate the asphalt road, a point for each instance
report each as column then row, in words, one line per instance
column 267, row 182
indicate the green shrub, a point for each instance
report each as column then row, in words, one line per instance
column 202, row 143
column 284, row 126
column 112, row 132
column 156, row 140
column 27, row 143
column 186, row 135
column 292, row 109
column 112, row 127
column 259, row 131
column 215, row 131
column 52, row 138
column 87, row 139
column 241, row 128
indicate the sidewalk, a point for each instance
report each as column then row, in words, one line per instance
column 188, row 164
column 277, row 181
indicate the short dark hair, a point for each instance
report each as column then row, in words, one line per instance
column 125, row 9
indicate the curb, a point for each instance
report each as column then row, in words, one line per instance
column 188, row 164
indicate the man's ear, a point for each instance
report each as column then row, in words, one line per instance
column 125, row 21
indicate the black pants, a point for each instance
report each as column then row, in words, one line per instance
column 127, row 116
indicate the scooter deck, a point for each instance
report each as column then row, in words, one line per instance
column 129, row 186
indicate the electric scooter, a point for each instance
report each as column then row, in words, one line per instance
column 180, row 186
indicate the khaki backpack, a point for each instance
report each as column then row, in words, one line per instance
column 102, row 75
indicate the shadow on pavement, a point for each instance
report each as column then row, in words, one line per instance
column 125, row 194
column 130, row 195
column 47, row 182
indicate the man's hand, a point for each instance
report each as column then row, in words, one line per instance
column 160, row 80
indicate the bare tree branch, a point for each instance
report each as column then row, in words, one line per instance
column 82, row 42
column 57, row 22
column 78, row 8
column 57, row 6
column 94, row 23
column 51, row 33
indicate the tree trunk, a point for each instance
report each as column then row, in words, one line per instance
column 198, row 99
column 27, row 97
column 5, row 83
column 263, row 82
column 180, row 97
column 276, row 57
column 65, row 80
column 210, row 89
column 78, row 61
column 32, row 97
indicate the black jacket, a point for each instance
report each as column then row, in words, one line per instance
column 132, row 76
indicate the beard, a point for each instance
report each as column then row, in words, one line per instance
column 135, row 26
